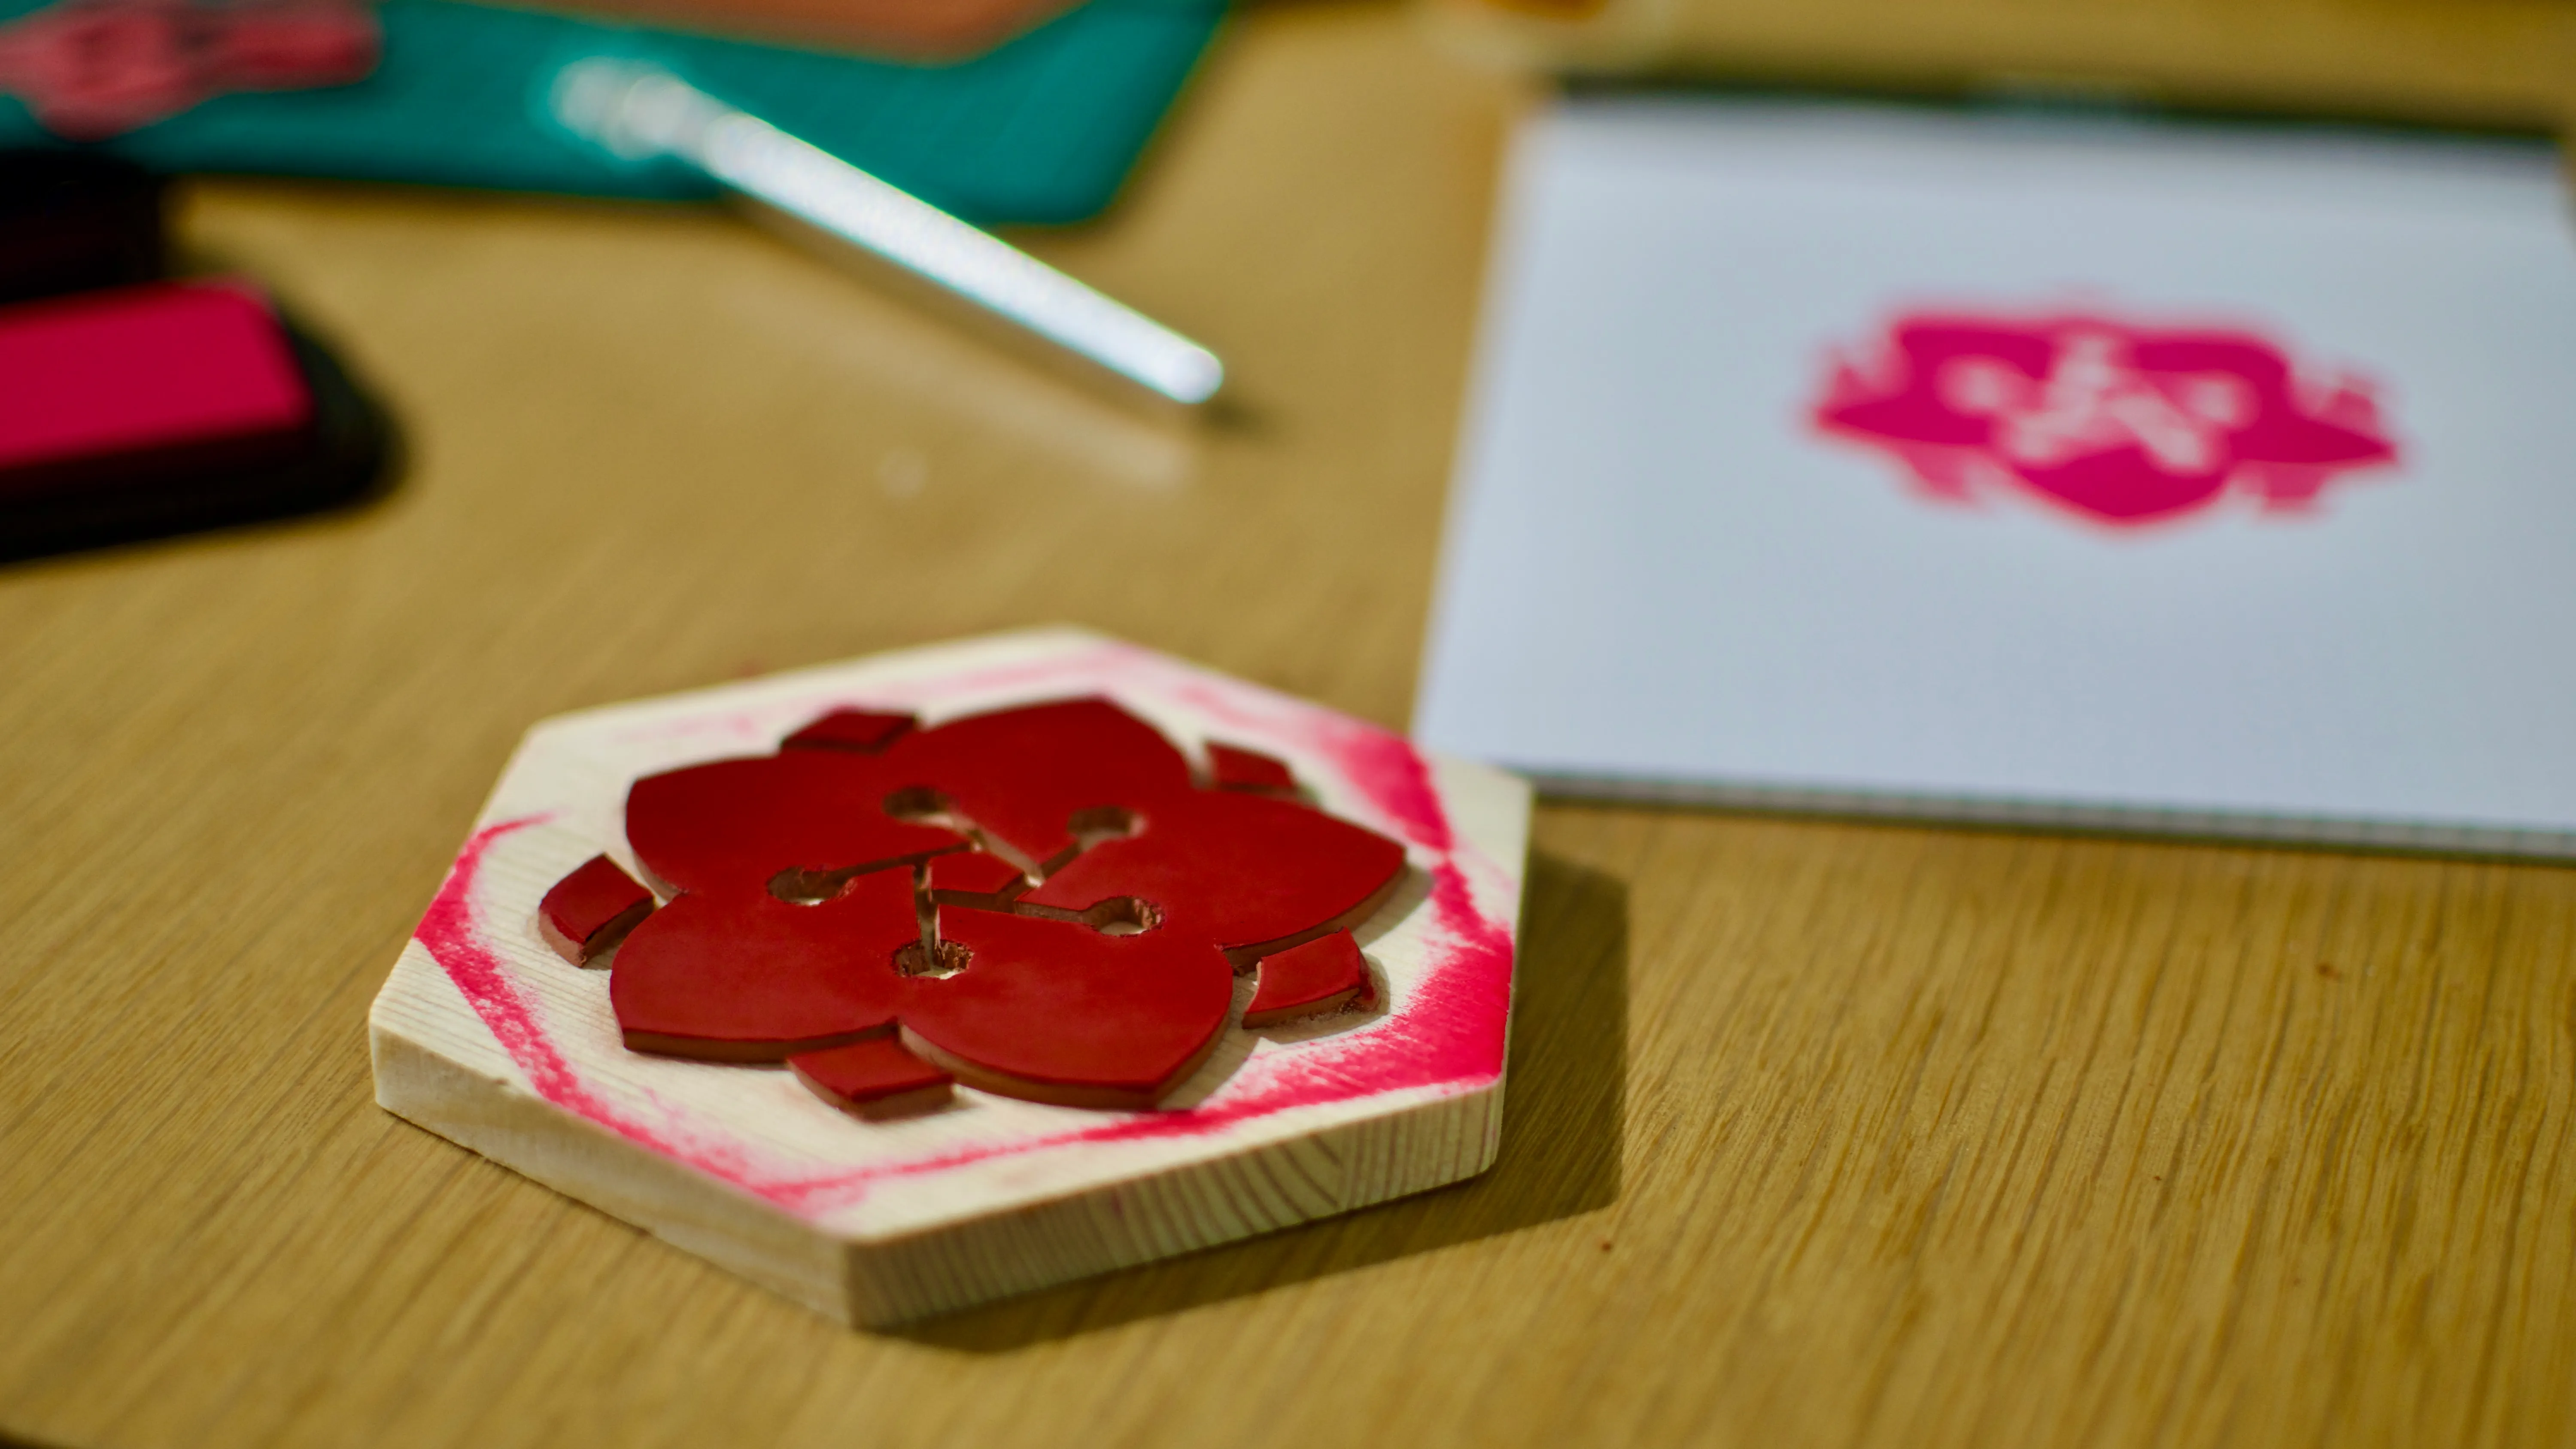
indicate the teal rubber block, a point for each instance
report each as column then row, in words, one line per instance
column 1042, row 128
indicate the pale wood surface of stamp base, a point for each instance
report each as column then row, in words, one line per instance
column 983, row 1200
column 1819, row 1133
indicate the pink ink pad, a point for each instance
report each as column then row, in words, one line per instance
column 144, row 379
column 137, row 411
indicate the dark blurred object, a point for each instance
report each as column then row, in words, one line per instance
column 2507, row 64
column 70, row 220
column 132, row 408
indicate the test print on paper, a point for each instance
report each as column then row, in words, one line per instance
column 2110, row 472
column 2121, row 424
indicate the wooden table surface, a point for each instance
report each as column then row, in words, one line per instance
column 1819, row 1133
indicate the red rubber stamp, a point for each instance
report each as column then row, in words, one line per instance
column 89, row 70
column 906, row 984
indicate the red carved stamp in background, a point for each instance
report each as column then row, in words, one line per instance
column 1041, row 902
column 91, row 69
column 2123, row 424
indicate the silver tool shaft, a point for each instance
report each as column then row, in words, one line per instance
column 638, row 110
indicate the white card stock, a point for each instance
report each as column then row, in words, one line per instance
column 2135, row 474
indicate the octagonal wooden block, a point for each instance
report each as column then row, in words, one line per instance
column 486, row 1035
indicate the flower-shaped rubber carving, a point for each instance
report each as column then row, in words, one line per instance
column 1041, row 901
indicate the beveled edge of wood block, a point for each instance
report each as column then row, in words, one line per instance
column 517, row 1130
column 1182, row 1209
column 1392, row 1152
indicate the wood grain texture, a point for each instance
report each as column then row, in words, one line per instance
column 1819, row 1134
column 2450, row 62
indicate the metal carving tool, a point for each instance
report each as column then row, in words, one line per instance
column 641, row 111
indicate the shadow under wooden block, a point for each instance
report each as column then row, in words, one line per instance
column 1564, row 1126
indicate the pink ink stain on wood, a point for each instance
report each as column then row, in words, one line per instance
column 1448, row 1034
column 455, row 939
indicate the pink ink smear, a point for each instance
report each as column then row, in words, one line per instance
column 1449, row 1034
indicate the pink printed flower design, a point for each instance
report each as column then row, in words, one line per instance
column 2123, row 424
column 1042, row 902
column 92, row 69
